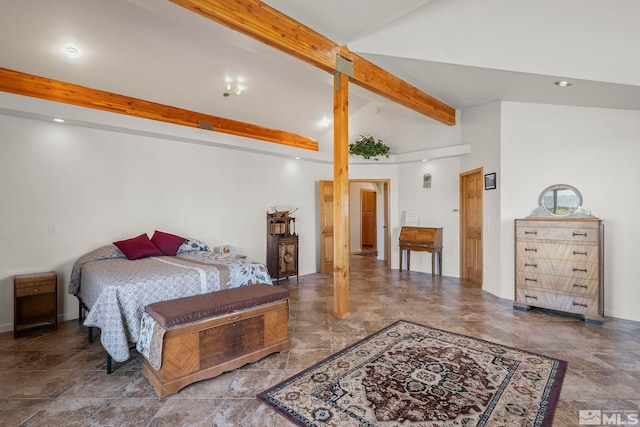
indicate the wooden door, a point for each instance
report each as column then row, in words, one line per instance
column 368, row 235
column 326, row 226
column 471, row 187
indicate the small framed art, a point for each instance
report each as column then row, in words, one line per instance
column 426, row 180
column 490, row 181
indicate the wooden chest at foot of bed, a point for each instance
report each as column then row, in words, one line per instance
column 209, row 347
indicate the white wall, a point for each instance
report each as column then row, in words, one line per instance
column 437, row 206
column 68, row 189
column 398, row 126
column 594, row 149
column 481, row 129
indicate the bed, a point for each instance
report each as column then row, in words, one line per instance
column 115, row 289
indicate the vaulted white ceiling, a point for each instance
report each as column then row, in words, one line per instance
column 464, row 52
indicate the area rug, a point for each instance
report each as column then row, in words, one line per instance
column 367, row 253
column 413, row 375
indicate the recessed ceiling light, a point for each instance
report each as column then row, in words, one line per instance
column 58, row 120
column 424, row 160
column 563, row 83
column 297, row 158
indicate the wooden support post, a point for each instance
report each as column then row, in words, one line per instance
column 341, row 196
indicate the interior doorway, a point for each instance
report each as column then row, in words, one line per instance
column 471, row 207
column 368, row 222
column 383, row 238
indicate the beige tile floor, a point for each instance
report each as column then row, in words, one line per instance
column 57, row 379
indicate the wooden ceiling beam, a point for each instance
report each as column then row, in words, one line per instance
column 58, row 91
column 267, row 25
column 369, row 76
column 260, row 21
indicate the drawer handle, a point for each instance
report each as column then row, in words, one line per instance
column 583, row 270
column 35, row 290
column 530, row 296
column 234, row 318
column 530, row 249
column 576, row 285
column 526, row 279
column 530, row 265
column 530, row 232
column 579, row 234
column 580, row 253
column 580, row 304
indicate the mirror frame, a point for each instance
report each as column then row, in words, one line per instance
column 563, row 187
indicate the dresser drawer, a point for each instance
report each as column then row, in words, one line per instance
column 536, row 280
column 554, row 251
column 557, row 231
column 35, row 289
column 578, row 270
column 575, row 269
column 578, row 287
column 558, row 301
column 26, row 285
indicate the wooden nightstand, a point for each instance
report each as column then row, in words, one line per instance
column 35, row 301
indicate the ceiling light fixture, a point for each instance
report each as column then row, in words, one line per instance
column 71, row 51
column 325, row 122
column 563, row 83
column 58, row 120
column 233, row 87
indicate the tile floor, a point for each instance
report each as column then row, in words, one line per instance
column 57, row 379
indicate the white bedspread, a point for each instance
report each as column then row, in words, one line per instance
column 116, row 290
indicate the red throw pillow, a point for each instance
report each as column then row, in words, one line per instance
column 138, row 247
column 168, row 243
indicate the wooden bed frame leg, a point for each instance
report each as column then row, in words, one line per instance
column 109, row 370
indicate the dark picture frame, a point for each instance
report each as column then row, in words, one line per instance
column 490, row 181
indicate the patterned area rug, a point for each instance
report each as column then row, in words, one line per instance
column 412, row 375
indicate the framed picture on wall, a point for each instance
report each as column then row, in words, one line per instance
column 426, row 180
column 490, row 181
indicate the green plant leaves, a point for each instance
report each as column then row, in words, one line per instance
column 368, row 147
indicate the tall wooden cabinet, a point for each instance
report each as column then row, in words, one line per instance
column 282, row 246
column 559, row 265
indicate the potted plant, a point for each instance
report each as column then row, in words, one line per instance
column 368, row 147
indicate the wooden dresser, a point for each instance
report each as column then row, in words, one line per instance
column 559, row 265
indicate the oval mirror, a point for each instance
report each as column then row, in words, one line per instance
column 560, row 200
